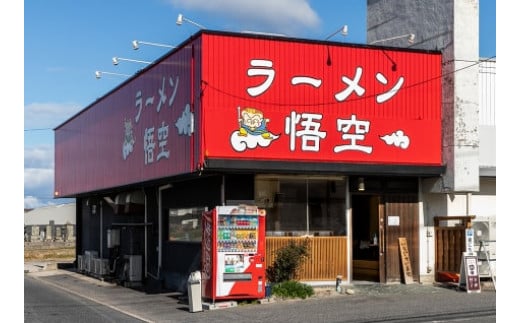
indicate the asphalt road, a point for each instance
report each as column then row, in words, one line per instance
column 44, row 302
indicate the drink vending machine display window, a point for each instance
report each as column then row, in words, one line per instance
column 233, row 253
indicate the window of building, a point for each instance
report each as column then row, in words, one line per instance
column 185, row 224
column 297, row 206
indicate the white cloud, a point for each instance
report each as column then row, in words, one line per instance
column 283, row 16
column 38, row 187
column 37, row 178
column 48, row 115
column 41, row 156
column 38, row 175
column 39, row 150
column 31, row 202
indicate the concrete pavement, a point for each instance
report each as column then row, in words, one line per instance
column 174, row 307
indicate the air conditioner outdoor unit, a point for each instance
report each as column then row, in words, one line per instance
column 133, row 267
column 97, row 265
column 484, row 229
column 101, row 266
column 88, row 265
column 81, row 263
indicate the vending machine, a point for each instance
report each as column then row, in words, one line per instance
column 233, row 253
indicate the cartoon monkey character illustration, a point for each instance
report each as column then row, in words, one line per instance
column 252, row 122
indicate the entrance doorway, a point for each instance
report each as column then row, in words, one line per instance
column 386, row 211
column 366, row 237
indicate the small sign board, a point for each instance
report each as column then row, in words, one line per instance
column 470, row 240
column 393, row 220
column 469, row 275
column 405, row 261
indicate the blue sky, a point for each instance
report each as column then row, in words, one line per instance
column 65, row 42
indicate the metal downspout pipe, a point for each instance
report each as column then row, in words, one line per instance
column 468, row 203
column 348, row 223
column 101, row 229
column 145, row 234
column 160, row 237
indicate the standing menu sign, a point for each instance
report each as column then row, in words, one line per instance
column 469, row 275
column 405, row 261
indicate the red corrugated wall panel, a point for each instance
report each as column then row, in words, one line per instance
column 139, row 132
column 312, row 101
column 261, row 98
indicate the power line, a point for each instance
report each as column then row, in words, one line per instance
column 38, row 129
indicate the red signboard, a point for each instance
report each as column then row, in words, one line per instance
column 140, row 131
column 234, row 96
column 289, row 100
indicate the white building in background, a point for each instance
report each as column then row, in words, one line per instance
column 52, row 223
